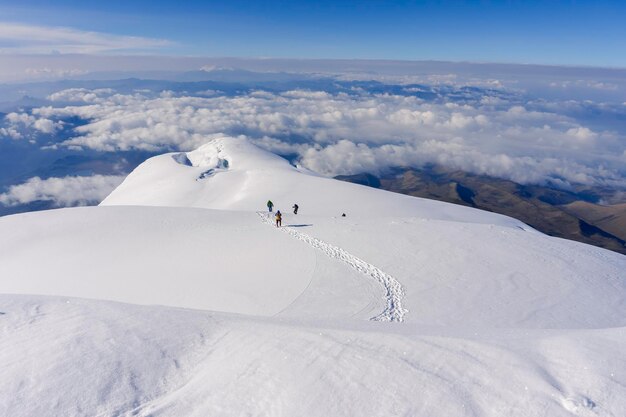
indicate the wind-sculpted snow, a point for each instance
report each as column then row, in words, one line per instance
column 393, row 289
column 62, row 357
column 504, row 321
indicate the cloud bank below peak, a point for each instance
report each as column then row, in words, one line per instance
column 484, row 132
column 63, row 191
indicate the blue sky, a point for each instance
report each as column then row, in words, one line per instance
column 551, row 32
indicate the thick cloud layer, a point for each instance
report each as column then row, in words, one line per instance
column 62, row 192
column 477, row 130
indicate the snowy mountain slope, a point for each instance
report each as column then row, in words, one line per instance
column 63, row 356
column 498, row 319
column 450, row 258
column 203, row 259
column 234, row 262
column 486, row 275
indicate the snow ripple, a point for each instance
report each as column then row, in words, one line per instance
column 393, row 289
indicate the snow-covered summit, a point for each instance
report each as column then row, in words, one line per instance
column 222, row 313
column 421, row 261
column 233, row 174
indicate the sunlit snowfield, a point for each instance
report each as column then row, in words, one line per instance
column 179, row 296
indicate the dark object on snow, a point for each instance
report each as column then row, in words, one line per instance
column 270, row 205
column 343, row 215
column 279, row 219
column 295, row 209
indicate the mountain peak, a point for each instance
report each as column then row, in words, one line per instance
column 231, row 173
column 238, row 153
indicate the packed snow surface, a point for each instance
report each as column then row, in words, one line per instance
column 178, row 296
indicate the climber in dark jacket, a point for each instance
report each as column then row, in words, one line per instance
column 270, row 205
column 295, row 209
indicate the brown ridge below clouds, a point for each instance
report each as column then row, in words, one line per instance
column 564, row 214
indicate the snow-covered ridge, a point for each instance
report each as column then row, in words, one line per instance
column 222, row 314
column 244, row 177
column 446, row 264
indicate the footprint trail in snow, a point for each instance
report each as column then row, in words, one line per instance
column 393, row 289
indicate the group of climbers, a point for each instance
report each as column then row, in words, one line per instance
column 278, row 216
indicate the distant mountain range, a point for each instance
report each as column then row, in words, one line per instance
column 573, row 215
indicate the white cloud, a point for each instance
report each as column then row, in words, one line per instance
column 45, row 125
column 17, row 123
column 32, row 39
column 62, row 192
column 343, row 134
column 10, row 132
column 583, row 134
column 83, row 95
